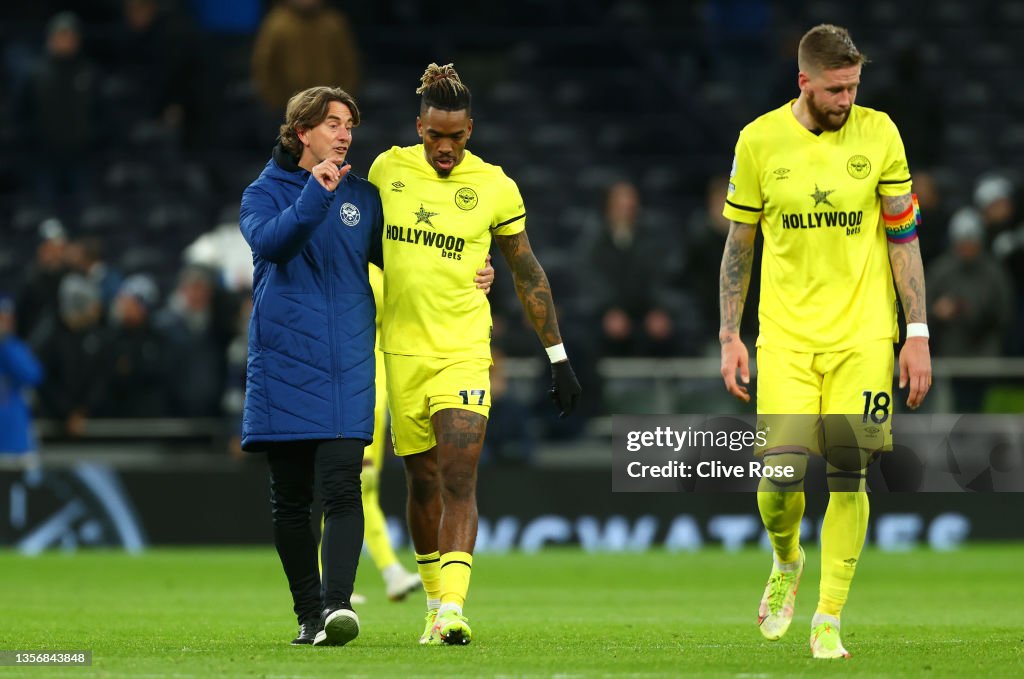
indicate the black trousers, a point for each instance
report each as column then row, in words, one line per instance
column 334, row 467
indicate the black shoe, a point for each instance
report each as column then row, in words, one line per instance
column 307, row 632
column 338, row 626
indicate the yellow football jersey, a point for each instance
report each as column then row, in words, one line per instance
column 826, row 282
column 437, row 232
column 377, row 287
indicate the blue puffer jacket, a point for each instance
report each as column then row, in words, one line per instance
column 310, row 370
column 19, row 369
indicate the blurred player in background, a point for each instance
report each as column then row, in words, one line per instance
column 398, row 582
column 829, row 183
column 442, row 207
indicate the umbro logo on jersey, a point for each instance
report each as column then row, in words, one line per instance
column 781, row 173
column 424, row 216
column 397, row 187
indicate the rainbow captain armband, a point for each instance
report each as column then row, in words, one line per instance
column 902, row 228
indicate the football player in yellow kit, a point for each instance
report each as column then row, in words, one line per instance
column 443, row 206
column 828, row 183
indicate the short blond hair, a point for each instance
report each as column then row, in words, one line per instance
column 826, row 47
column 307, row 109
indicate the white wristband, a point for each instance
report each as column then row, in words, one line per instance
column 917, row 330
column 557, row 353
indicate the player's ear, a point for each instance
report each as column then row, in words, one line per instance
column 302, row 134
column 802, row 80
column 419, row 127
column 469, row 129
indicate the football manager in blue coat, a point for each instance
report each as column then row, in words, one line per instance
column 19, row 370
column 309, row 397
column 313, row 228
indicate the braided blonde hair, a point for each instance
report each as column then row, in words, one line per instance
column 442, row 88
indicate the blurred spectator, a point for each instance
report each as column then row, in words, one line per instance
column 159, row 58
column 509, row 439
column 511, row 331
column 224, row 36
column 915, row 105
column 736, row 35
column 971, row 303
column 87, row 257
column 996, row 194
column 58, row 112
column 74, row 353
column 37, row 296
column 970, row 291
column 782, row 70
column 233, row 400
column 993, row 196
column 303, row 43
column 19, row 370
column 139, row 369
column 227, row 16
column 934, row 211
column 708, row 230
column 628, row 272
column 194, row 346
column 224, row 253
column 223, row 249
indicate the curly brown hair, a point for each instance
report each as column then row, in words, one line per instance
column 307, row 109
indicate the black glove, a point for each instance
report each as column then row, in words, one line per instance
column 565, row 388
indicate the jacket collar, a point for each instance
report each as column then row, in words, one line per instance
column 285, row 160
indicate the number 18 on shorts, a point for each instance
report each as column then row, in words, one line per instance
column 821, row 401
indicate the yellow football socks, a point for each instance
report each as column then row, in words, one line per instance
column 781, row 513
column 842, row 538
column 429, row 566
column 456, row 568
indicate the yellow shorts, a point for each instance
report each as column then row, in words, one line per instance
column 419, row 386
column 823, row 401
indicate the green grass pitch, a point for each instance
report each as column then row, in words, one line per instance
column 227, row 613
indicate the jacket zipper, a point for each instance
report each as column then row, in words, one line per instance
column 329, row 275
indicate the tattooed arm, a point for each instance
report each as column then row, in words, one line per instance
column 733, row 282
column 535, row 295
column 908, row 272
column 907, row 269
column 531, row 286
column 734, row 278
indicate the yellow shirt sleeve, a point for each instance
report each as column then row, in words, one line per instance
column 509, row 212
column 744, row 203
column 895, row 177
column 374, row 176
